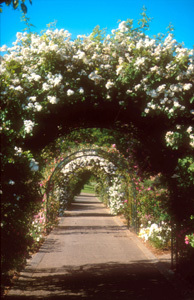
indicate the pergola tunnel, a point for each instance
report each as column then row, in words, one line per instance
column 117, row 183
column 70, row 175
column 117, row 108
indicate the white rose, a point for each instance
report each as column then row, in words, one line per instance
column 52, row 99
column 187, row 86
column 70, row 92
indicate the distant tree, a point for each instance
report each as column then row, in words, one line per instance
column 15, row 4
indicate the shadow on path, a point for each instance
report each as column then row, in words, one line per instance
column 57, row 273
column 110, row 281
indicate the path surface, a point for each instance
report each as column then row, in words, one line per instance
column 91, row 255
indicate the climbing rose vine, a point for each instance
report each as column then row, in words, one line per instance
column 41, row 71
column 111, row 181
column 42, row 75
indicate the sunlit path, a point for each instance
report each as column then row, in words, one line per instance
column 90, row 255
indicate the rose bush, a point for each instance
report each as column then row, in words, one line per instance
column 158, row 236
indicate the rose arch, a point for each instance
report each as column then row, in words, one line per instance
column 126, row 80
column 96, row 161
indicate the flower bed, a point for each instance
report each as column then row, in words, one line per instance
column 158, row 236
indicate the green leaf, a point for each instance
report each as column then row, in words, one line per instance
column 192, row 100
column 15, row 4
column 24, row 8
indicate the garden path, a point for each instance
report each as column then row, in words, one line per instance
column 92, row 255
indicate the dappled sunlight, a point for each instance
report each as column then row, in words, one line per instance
column 137, row 280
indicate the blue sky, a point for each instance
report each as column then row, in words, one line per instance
column 81, row 16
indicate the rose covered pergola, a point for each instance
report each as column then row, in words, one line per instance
column 103, row 164
column 126, row 80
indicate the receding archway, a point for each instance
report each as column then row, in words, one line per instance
column 94, row 160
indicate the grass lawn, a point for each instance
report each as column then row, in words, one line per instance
column 88, row 189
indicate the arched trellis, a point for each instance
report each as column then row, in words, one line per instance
column 148, row 82
column 79, row 154
column 120, row 163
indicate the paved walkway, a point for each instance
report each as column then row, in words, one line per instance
column 91, row 255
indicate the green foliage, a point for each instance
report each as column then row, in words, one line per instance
column 152, row 200
column 189, row 238
column 98, row 34
column 15, row 4
column 26, row 20
column 145, row 20
column 186, row 171
column 88, row 187
column 160, row 240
